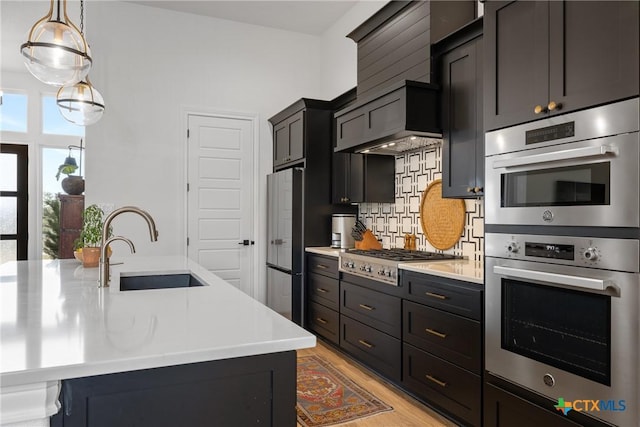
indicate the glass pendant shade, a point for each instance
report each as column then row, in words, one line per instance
column 56, row 52
column 81, row 103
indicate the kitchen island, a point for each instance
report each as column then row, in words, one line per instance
column 61, row 332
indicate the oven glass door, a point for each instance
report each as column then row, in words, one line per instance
column 577, row 185
column 564, row 328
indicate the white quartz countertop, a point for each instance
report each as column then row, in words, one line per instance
column 328, row 251
column 460, row 269
column 57, row 324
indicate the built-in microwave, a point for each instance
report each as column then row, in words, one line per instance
column 578, row 169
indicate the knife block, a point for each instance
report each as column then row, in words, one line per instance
column 368, row 241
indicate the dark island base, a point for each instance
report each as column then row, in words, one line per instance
column 246, row 391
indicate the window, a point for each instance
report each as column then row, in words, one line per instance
column 13, row 112
column 52, row 121
column 13, row 202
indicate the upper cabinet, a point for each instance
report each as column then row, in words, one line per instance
column 299, row 130
column 550, row 57
column 460, row 75
column 363, row 178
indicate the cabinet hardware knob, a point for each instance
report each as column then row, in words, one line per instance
column 469, row 190
column 366, row 344
column 321, row 320
column 554, row 106
column 435, row 380
column 432, row 295
column 539, row 109
column 477, row 189
column 366, row 307
column 436, row 333
column 324, row 291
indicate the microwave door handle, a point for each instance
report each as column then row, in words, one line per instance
column 562, row 279
column 574, row 153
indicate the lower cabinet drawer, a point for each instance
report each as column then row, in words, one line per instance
column 381, row 311
column 453, row 389
column 324, row 321
column 374, row 348
column 449, row 336
column 324, row 290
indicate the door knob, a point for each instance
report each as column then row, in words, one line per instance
column 554, row 106
column 248, row 242
column 539, row 109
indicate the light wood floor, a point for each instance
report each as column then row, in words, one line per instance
column 407, row 412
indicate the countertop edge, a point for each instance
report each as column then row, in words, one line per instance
column 468, row 271
column 325, row 250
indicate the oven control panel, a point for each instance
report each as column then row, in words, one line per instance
column 601, row 253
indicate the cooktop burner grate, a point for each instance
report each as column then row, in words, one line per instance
column 402, row 254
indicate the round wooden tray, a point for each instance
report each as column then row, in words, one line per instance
column 442, row 220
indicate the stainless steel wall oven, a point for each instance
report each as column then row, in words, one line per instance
column 570, row 170
column 562, row 247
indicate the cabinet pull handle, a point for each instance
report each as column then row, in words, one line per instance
column 366, row 344
column 436, row 333
column 554, row 106
column 321, row 320
column 435, row 380
column 539, row 109
column 321, row 266
column 431, row 294
column 367, row 307
column 324, row 291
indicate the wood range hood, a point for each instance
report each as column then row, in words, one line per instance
column 397, row 109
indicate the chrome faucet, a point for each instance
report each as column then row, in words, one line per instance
column 103, row 274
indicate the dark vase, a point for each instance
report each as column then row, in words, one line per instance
column 73, row 185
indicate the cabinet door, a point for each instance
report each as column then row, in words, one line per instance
column 280, row 143
column 516, row 61
column 463, row 145
column 296, row 136
column 593, row 50
column 340, row 169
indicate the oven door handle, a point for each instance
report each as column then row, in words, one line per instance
column 574, row 153
column 562, row 279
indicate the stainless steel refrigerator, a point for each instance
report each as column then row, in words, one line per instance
column 285, row 236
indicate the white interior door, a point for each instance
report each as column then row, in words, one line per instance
column 220, row 197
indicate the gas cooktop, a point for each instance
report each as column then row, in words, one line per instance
column 402, row 255
column 382, row 264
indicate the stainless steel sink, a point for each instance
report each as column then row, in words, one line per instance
column 158, row 281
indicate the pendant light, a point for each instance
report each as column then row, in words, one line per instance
column 80, row 103
column 55, row 52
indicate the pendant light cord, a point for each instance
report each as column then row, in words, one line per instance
column 82, row 17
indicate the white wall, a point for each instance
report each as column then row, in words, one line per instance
column 150, row 64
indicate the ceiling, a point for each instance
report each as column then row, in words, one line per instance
column 303, row 16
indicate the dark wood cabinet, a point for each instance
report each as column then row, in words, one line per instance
column 71, row 208
column 255, row 390
column 550, row 57
column 460, row 74
column 505, row 404
column 362, row 178
column 442, row 344
column 301, row 131
column 370, row 326
column 323, row 296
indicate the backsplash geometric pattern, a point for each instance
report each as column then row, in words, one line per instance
column 390, row 221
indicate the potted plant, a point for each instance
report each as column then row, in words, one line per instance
column 72, row 184
column 91, row 235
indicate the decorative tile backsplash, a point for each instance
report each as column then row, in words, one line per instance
column 390, row 222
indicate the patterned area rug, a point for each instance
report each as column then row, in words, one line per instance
column 326, row 397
